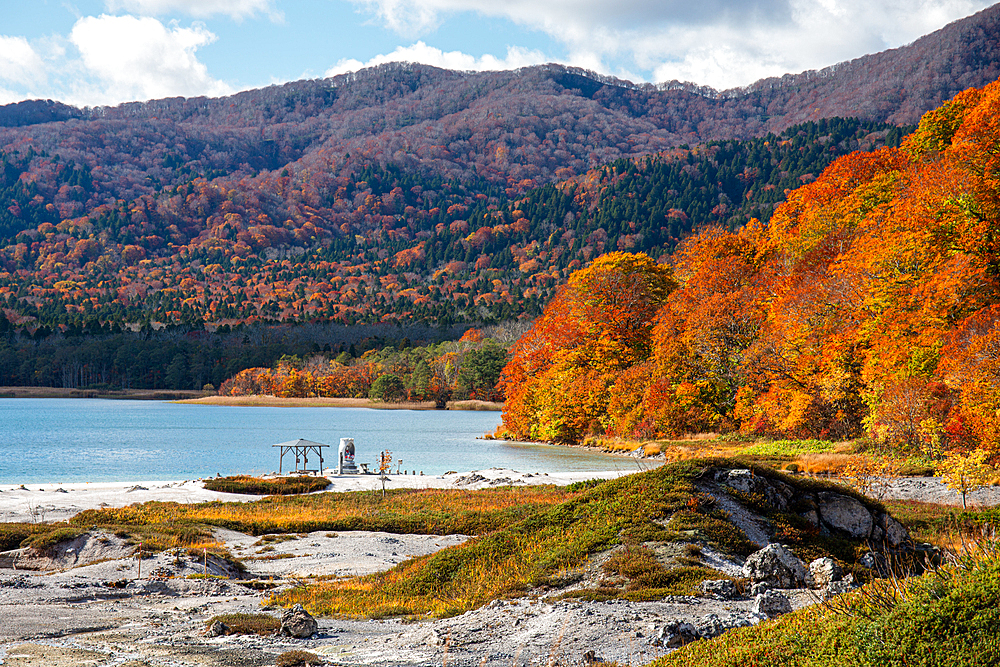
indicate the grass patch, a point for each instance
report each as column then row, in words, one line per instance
column 420, row 511
column 12, row 535
column 256, row 486
column 787, row 448
column 44, row 542
column 247, row 624
column 944, row 618
column 657, row 505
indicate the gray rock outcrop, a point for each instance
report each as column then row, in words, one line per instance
column 833, row 512
column 298, row 623
column 845, row 514
column 771, row 604
column 777, row 567
column 677, row 633
column 721, row 589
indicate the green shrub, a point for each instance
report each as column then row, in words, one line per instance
column 12, row 535
column 387, row 388
column 945, row 618
column 256, row 486
column 45, row 542
column 789, row 448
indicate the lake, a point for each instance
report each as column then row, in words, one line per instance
column 80, row 440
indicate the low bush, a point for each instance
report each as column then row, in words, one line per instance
column 247, row 624
column 298, row 659
column 948, row 617
column 13, row 534
column 256, row 486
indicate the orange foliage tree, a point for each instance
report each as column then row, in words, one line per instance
column 870, row 303
column 597, row 326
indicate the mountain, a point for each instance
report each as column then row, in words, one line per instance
column 408, row 193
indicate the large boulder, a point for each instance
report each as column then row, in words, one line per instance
column 771, row 604
column 298, row 623
column 845, row 514
column 776, row 566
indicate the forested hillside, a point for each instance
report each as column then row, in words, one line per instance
column 408, row 248
column 869, row 304
column 408, row 195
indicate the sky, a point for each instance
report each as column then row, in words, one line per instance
column 104, row 52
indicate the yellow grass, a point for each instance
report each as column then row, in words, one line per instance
column 427, row 511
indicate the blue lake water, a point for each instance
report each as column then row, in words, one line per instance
column 77, row 440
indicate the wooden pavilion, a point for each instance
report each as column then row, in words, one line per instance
column 301, row 449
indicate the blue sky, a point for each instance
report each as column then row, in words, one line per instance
column 100, row 52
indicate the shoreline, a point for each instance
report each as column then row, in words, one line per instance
column 117, row 394
column 257, row 400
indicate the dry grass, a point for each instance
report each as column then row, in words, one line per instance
column 275, row 402
column 423, row 511
column 475, row 405
column 536, row 553
column 247, row 624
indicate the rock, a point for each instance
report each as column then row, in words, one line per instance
column 216, row 629
column 591, row 658
column 824, row 571
column 676, row 634
column 714, row 625
column 771, row 604
column 812, row 517
column 761, row 587
column 298, row 623
column 845, row 514
column 776, row 565
column 722, row 589
column 740, row 479
column 874, row 561
column 835, row 588
column 895, row 534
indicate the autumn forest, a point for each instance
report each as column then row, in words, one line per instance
column 811, row 256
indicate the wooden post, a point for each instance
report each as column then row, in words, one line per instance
column 140, row 561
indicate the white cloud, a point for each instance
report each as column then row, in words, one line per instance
column 722, row 43
column 127, row 58
column 19, row 62
column 237, row 9
column 429, row 55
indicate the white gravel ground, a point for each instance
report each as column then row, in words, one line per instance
column 91, row 608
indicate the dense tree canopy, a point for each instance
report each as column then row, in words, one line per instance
column 868, row 304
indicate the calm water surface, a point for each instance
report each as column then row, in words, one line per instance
column 76, row 440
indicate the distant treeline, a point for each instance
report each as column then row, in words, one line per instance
column 182, row 358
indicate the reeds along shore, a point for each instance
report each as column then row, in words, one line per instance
column 274, row 401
